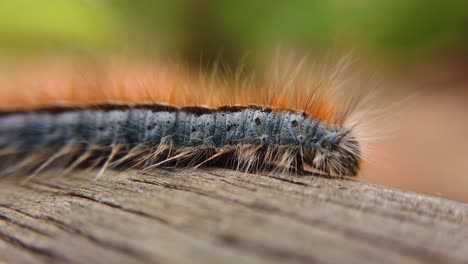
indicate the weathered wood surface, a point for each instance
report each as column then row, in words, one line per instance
column 218, row 216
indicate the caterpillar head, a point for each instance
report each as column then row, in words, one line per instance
column 333, row 150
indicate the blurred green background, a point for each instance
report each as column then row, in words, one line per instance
column 201, row 31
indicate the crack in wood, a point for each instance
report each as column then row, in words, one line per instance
column 116, row 206
column 75, row 231
column 266, row 251
column 27, row 227
column 49, row 254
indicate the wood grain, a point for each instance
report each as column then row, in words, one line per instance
column 221, row 216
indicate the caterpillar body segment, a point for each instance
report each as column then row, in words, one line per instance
column 246, row 138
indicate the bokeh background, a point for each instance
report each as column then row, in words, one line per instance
column 414, row 51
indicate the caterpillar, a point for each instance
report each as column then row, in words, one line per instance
column 138, row 118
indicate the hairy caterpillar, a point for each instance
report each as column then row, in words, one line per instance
column 140, row 118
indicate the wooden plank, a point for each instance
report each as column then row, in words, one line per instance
column 217, row 215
